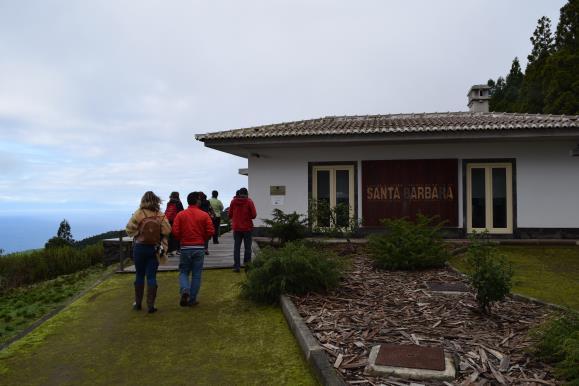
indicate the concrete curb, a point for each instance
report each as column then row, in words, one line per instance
column 313, row 352
column 55, row 311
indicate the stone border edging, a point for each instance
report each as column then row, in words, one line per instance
column 315, row 355
column 313, row 352
column 55, row 311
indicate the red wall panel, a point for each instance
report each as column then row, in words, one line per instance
column 403, row 188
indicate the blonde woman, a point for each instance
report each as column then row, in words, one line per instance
column 150, row 230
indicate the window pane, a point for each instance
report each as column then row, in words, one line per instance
column 478, row 198
column 499, row 198
column 342, row 197
column 323, row 198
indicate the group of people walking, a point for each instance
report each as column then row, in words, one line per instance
column 184, row 233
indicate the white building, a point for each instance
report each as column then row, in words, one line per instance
column 516, row 175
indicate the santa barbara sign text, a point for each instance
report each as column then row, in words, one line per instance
column 403, row 188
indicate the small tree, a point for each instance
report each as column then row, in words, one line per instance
column 333, row 221
column 63, row 236
column 286, row 227
column 490, row 274
column 409, row 245
column 64, row 232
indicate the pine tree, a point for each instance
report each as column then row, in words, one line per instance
column 550, row 84
column 505, row 96
column 63, row 237
column 533, row 89
column 542, row 39
column 567, row 34
column 561, row 69
column 64, row 232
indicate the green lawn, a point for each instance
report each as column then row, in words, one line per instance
column 549, row 273
column 99, row 340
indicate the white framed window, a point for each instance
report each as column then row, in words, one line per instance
column 489, row 197
column 333, row 185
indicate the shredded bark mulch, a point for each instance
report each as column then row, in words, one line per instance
column 372, row 307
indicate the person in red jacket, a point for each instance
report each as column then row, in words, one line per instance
column 241, row 212
column 192, row 227
column 174, row 206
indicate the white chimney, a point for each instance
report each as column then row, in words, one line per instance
column 478, row 98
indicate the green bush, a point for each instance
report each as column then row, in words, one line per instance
column 558, row 344
column 490, row 274
column 20, row 269
column 294, row 269
column 332, row 221
column 408, row 245
column 286, row 227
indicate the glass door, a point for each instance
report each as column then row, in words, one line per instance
column 333, row 195
column 489, row 198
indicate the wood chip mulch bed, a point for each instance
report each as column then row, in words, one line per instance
column 373, row 307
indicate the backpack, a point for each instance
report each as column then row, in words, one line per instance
column 150, row 230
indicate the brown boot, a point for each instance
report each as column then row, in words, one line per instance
column 139, row 291
column 151, row 296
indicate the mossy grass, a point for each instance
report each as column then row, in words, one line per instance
column 100, row 340
column 548, row 273
column 22, row 306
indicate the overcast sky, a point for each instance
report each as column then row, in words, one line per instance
column 100, row 100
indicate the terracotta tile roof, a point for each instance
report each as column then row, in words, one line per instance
column 398, row 124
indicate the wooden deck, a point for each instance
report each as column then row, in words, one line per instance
column 220, row 256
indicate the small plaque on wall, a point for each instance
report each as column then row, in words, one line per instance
column 277, row 190
column 277, row 200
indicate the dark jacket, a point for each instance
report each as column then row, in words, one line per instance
column 241, row 212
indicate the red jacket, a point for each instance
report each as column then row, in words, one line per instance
column 192, row 226
column 241, row 212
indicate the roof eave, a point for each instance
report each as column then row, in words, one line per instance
column 560, row 133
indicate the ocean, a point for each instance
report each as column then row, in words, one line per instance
column 31, row 231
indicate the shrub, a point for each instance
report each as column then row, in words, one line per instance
column 31, row 267
column 558, row 344
column 332, row 221
column 489, row 274
column 409, row 245
column 286, row 227
column 294, row 269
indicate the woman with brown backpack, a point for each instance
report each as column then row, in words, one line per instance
column 150, row 230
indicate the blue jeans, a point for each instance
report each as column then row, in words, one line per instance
column 191, row 262
column 238, row 237
column 146, row 264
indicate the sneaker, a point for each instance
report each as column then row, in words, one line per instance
column 206, row 252
column 193, row 304
column 184, row 299
column 216, row 242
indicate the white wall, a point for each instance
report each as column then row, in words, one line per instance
column 547, row 177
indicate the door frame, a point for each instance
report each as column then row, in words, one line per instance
column 332, row 164
column 465, row 184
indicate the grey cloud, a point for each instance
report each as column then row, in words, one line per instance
column 117, row 89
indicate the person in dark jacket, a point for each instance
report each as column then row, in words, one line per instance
column 207, row 208
column 241, row 213
column 174, row 206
